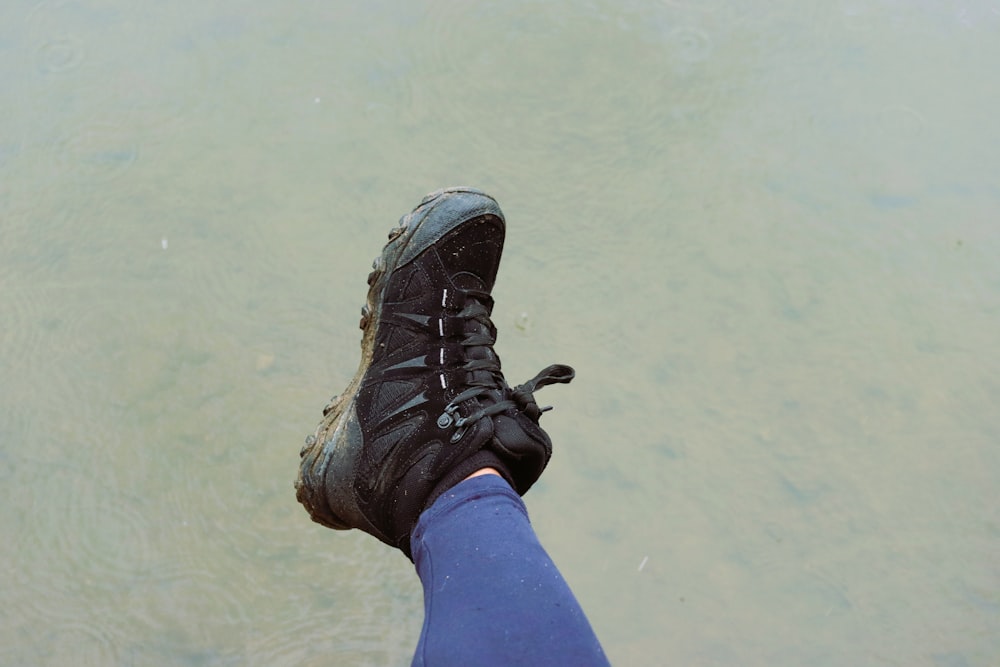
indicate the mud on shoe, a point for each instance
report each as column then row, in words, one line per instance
column 429, row 404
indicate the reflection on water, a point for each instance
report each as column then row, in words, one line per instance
column 764, row 236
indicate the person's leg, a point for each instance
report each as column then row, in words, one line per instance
column 492, row 595
column 428, row 408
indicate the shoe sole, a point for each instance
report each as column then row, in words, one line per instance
column 338, row 440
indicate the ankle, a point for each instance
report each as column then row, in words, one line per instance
column 484, row 471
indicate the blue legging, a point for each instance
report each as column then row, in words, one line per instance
column 492, row 595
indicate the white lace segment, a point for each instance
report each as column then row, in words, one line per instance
column 444, row 303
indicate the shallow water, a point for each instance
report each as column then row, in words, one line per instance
column 765, row 235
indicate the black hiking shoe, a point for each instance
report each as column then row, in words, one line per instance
column 429, row 404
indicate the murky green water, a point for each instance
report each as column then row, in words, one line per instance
column 766, row 234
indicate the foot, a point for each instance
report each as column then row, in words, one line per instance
column 429, row 405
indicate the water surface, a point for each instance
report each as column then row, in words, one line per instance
column 764, row 234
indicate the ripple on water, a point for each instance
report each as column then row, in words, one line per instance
column 899, row 122
column 168, row 74
column 48, row 337
column 20, row 310
column 192, row 607
column 365, row 614
column 327, row 638
column 84, row 641
column 563, row 98
column 690, row 44
column 184, row 75
column 27, row 333
column 54, row 37
column 97, row 152
column 83, row 530
column 59, row 55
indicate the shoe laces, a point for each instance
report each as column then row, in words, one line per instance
column 484, row 377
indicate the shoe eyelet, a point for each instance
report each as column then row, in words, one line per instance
column 459, row 432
